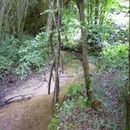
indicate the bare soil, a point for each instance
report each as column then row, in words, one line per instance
column 30, row 106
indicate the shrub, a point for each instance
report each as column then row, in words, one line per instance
column 55, row 122
column 33, row 55
column 8, row 53
column 74, row 90
column 114, row 57
column 22, row 56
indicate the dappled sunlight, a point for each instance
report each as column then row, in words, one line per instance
column 120, row 19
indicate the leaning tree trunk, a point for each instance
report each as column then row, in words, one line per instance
column 80, row 5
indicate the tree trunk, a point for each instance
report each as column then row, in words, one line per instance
column 127, row 101
column 50, row 77
column 128, row 95
column 57, row 21
column 96, row 11
column 80, row 5
column 55, row 52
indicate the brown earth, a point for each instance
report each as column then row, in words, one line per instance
column 35, row 113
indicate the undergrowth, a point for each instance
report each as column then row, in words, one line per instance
column 74, row 98
column 23, row 55
column 114, row 57
column 76, row 113
column 110, row 81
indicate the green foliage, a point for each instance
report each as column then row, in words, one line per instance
column 114, row 57
column 97, row 124
column 70, row 26
column 120, row 35
column 76, row 93
column 70, row 126
column 102, row 32
column 75, row 98
column 23, row 56
column 73, row 112
column 67, row 107
column 97, row 33
column 8, row 52
column 97, row 10
column 94, row 39
column 33, row 54
column 109, row 4
column 82, row 102
column 74, row 90
column 106, row 29
column 55, row 122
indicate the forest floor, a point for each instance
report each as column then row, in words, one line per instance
column 29, row 107
column 35, row 110
column 108, row 88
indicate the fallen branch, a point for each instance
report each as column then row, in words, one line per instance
column 50, row 77
column 4, row 102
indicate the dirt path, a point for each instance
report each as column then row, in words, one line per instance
column 34, row 114
column 34, row 86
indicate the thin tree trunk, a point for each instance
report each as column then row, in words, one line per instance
column 91, row 13
column 80, row 5
column 49, row 30
column 128, row 112
column 88, row 10
column 129, row 55
column 50, row 77
column 96, row 11
column 57, row 53
column 50, row 16
column 128, row 95
column 2, row 11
